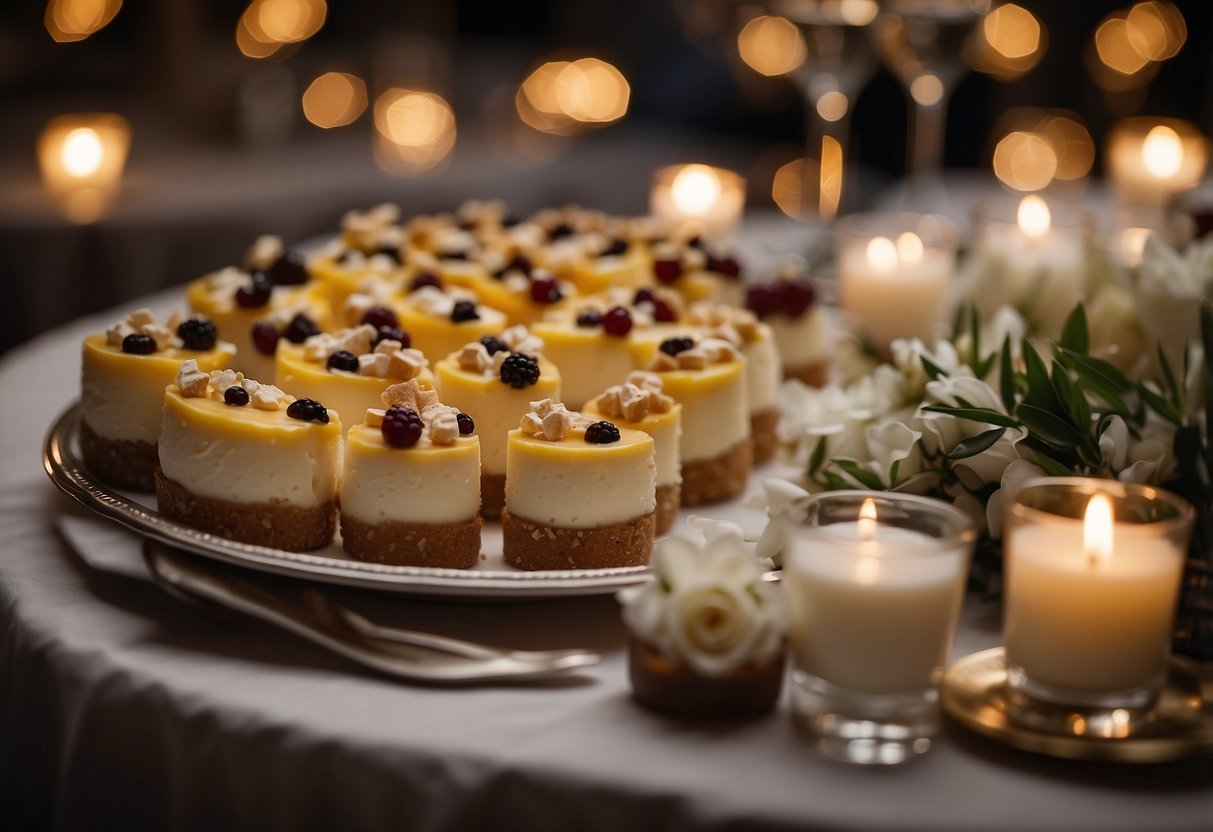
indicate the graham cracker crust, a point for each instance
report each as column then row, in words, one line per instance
column 718, row 479
column 748, row 691
column 277, row 525
column 454, row 546
column 492, row 496
column 533, row 546
column 669, row 500
column 762, row 434
column 814, row 374
column 125, row 463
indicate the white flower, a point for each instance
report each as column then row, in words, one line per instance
column 1013, row 476
column 832, row 414
column 979, row 470
column 777, row 499
column 1168, row 288
column 891, row 442
column 707, row 606
column 910, row 373
column 942, row 431
column 1116, row 334
column 1144, row 459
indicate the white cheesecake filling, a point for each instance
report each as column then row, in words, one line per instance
column 430, row 484
column 565, row 487
column 763, row 370
column 715, row 417
column 267, row 458
column 121, row 407
column 802, row 340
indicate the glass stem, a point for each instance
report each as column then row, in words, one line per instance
column 823, row 172
column 926, row 139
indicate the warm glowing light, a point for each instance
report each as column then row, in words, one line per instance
column 1162, row 152
column 787, row 186
column 909, row 247
column 1133, row 244
column 81, row 158
column 858, row 12
column 829, row 195
column 1033, row 216
column 867, row 510
column 882, row 256
column 927, row 89
column 695, row 190
column 771, row 45
column 1115, row 48
column 565, row 97
column 334, row 99
column 1156, row 30
column 1012, row 31
column 1025, row 161
column 1072, row 145
column 285, row 21
column 74, row 20
column 833, row 106
column 250, row 45
column 1097, row 529
column 81, row 152
column 417, row 129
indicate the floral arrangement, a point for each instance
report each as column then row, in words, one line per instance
column 706, row 606
column 969, row 418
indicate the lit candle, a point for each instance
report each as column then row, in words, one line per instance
column 81, row 158
column 1032, row 263
column 699, row 199
column 1091, row 600
column 1150, row 160
column 895, row 274
column 876, row 613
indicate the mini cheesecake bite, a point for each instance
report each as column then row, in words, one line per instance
column 349, row 369
column 640, row 404
column 579, row 493
column 789, row 305
column 494, row 381
column 707, row 377
column 245, row 461
column 410, row 492
column 441, row 322
column 122, row 378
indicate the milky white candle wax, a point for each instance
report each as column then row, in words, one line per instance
column 895, row 275
column 1151, row 159
column 1091, row 602
column 698, row 199
column 873, row 607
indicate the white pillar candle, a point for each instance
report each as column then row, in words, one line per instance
column 872, row 606
column 895, row 275
column 1090, row 603
column 1150, row 160
column 1032, row 263
column 698, row 199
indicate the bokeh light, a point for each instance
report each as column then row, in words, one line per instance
column 1012, row 42
column 1115, row 47
column 82, row 152
column 771, row 45
column 1025, row 161
column 1156, row 30
column 334, row 99
column 415, row 130
column 74, row 20
column 1072, row 145
column 787, row 186
column 268, row 25
column 695, row 190
column 566, row 97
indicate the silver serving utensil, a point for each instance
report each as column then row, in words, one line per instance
column 405, row 654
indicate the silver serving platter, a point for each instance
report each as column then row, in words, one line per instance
column 490, row 579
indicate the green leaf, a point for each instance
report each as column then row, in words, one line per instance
column 1101, row 368
column 1161, row 406
column 976, row 414
column 1052, row 467
column 1073, row 396
column 975, row 445
column 1006, row 377
column 860, row 474
column 1057, row 431
column 932, row 369
column 1168, row 374
column 1040, row 387
column 1091, row 379
column 834, row 482
column 975, row 340
column 1075, row 336
column 818, row 457
column 1064, row 455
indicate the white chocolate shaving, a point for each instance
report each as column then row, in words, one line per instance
column 117, row 333
column 141, row 318
column 406, row 364
column 223, row 379
column 474, row 358
column 374, row 416
column 267, row 397
column 192, row 382
column 444, row 429
column 265, row 250
column 374, row 364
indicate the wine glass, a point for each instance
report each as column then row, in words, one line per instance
column 838, row 63
column 923, row 42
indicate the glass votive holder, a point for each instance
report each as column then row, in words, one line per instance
column 1092, row 570
column 1031, row 253
column 895, row 275
column 1151, row 159
column 874, row 583
column 698, row 199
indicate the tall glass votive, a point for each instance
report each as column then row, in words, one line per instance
column 1093, row 571
column 1031, row 253
column 874, row 583
column 895, row 274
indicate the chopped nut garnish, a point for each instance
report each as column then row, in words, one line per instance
column 662, row 363
column 318, row 348
column 388, row 346
column 374, row 364
column 692, row 359
column 160, row 335
column 266, row 397
column 406, row 364
column 192, row 382
column 223, row 379
column 409, row 394
column 444, row 429
column 548, row 419
column 474, row 358
column 265, row 250
column 355, row 307
column 374, row 416
column 140, row 318
column 117, row 332
column 519, row 339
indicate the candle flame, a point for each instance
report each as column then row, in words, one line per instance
column 695, row 190
column 1033, row 216
column 1162, row 152
column 82, row 152
column 867, row 519
column 1097, row 529
column 882, row 255
column 909, row 247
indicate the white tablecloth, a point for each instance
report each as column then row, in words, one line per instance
column 119, row 704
